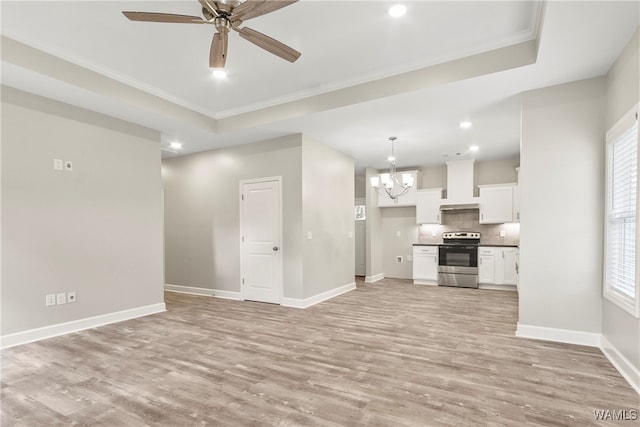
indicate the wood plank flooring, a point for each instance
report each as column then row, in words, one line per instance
column 386, row 354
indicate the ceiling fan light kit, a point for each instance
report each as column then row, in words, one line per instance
column 392, row 185
column 227, row 15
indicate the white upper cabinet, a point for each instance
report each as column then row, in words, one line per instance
column 408, row 199
column 496, row 203
column 428, row 206
column 516, row 203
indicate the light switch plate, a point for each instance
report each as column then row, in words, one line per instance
column 61, row 298
column 350, row 234
column 309, row 235
column 50, row 299
column 57, row 164
column 503, row 233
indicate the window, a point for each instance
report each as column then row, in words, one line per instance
column 621, row 279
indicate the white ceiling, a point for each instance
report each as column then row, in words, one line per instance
column 362, row 77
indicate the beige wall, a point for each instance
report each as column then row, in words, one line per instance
column 360, row 190
column 623, row 81
column 327, row 212
column 620, row 328
column 562, row 189
column 374, row 256
column 202, row 216
column 401, row 220
column 96, row 231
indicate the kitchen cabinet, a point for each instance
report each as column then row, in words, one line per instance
column 425, row 265
column 509, row 267
column 498, row 267
column 407, row 199
column 428, row 206
column 486, row 265
column 496, row 203
column 516, row 203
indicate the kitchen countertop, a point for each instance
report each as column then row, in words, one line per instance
column 481, row 244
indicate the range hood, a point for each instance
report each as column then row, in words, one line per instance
column 456, row 207
column 460, row 186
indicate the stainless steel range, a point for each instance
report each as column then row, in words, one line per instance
column 458, row 259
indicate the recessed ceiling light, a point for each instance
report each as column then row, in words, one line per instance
column 397, row 10
column 176, row 145
column 218, row 73
column 465, row 125
column 474, row 148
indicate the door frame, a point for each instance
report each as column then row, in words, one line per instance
column 279, row 264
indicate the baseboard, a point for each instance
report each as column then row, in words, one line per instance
column 218, row 293
column 567, row 336
column 491, row 287
column 188, row 290
column 424, row 282
column 308, row 302
column 621, row 363
column 374, row 278
column 45, row 332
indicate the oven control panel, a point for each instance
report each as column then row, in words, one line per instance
column 461, row 235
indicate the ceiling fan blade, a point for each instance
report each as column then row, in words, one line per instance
column 218, row 53
column 271, row 45
column 164, row 17
column 252, row 8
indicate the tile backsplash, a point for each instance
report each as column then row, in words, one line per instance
column 468, row 220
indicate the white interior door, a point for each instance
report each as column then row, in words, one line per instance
column 261, row 231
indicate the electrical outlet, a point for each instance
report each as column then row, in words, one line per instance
column 71, row 297
column 68, row 165
column 503, row 233
column 399, row 259
column 61, row 298
column 50, row 299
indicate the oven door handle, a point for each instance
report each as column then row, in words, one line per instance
column 459, row 247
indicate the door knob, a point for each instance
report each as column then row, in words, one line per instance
column 275, row 248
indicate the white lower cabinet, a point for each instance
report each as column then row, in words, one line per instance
column 510, row 266
column 486, row 265
column 498, row 266
column 425, row 265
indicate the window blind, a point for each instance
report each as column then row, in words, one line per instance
column 621, row 213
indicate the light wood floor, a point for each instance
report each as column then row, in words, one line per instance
column 385, row 354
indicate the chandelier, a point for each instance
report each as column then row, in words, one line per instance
column 393, row 185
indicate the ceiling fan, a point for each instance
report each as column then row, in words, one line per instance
column 228, row 15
